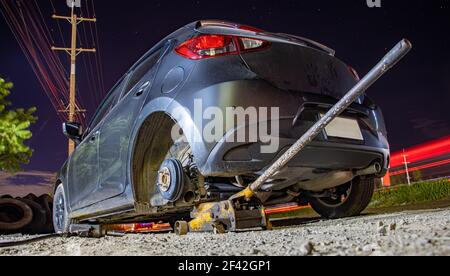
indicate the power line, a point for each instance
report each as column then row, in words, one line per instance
column 29, row 27
column 89, row 69
column 99, row 57
column 96, row 62
column 33, row 41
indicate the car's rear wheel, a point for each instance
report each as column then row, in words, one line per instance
column 61, row 222
column 348, row 200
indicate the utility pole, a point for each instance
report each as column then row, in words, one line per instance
column 408, row 177
column 73, row 51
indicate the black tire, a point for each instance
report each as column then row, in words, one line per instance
column 31, row 197
column 60, row 215
column 39, row 218
column 14, row 215
column 46, row 203
column 360, row 192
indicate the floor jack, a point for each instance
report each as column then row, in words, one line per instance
column 236, row 214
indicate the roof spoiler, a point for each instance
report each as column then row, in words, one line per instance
column 288, row 37
column 310, row 42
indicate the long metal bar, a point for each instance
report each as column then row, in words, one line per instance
column 389, row 61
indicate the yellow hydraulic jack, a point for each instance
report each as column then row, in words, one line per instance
column 234, row 214
column 220, row 217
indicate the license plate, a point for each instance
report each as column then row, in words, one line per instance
column 344, row 128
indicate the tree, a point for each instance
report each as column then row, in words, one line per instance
column 14, row 131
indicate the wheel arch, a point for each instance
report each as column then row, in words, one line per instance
column 149, row 150
column 60, row 177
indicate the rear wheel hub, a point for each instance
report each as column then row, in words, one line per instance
column 164, row 179
column 171, row 180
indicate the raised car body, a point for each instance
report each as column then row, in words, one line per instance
column 112, row 174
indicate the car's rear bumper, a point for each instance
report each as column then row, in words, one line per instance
column 231, row 159
column 228, row 160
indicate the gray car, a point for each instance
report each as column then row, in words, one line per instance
column 143, row 156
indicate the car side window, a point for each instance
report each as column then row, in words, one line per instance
column 141, row 69
column 107, row 104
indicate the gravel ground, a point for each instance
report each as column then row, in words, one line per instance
column 406, row 233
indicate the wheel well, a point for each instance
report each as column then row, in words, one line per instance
column 149, row 152
column 55, row 186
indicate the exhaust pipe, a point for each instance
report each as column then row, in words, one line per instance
column 371, row 170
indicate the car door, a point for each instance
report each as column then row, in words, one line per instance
column 117, row 127
column 83, row 169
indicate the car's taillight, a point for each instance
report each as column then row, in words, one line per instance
column 208, row 46
column 205, row 46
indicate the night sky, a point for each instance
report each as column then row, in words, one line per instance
column 415, row 96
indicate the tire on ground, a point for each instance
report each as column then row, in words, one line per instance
column 31, row 197
column 14, row 215
column 39, row 218
column 64, row 228
column 46, row 203
column 359, row 198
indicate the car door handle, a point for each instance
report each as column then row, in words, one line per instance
column 142, row 89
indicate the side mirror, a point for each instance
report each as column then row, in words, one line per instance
column 73, row 131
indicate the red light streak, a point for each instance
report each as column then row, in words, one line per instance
column 422, row 152
column 423, row 167
column 285, row 209
column 141, row 227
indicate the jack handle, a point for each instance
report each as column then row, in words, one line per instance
column 387, row 63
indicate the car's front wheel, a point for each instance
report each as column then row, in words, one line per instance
column 61, row 220
column 347, row 200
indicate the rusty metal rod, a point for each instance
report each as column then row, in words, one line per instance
column 389, row 61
